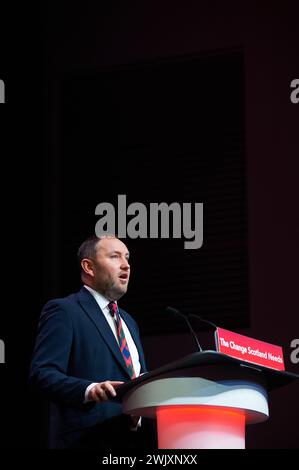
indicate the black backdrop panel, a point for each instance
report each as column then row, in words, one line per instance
column 167, row 131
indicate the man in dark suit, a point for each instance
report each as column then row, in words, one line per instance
column 79, row 359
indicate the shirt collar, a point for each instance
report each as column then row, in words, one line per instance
column 100, row 299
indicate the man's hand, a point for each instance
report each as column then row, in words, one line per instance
column 103, row 391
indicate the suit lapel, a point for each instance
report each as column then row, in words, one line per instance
column 92, row 309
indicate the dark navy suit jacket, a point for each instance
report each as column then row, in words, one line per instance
column 75, row 347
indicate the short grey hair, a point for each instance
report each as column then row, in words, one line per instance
column 88, row 248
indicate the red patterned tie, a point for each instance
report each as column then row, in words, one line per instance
column 124, row 348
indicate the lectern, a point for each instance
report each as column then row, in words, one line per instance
column 204, row 400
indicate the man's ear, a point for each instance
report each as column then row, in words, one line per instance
column 87, row 266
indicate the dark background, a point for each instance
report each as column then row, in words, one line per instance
column 174, row 103
column 158, row 132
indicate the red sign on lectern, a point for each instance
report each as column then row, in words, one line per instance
column 249, row 349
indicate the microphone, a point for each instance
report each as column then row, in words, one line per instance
column 203, row 320
column 194, row 315
column 178, row 313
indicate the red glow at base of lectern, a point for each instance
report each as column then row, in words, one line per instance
column 200, row 427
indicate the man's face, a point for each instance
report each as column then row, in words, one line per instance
column 111, row 268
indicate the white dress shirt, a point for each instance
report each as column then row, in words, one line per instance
column 103, row 304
